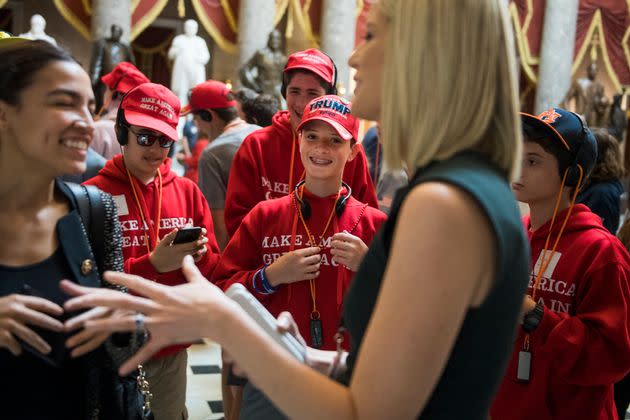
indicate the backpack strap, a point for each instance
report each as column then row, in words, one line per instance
column 92, row 211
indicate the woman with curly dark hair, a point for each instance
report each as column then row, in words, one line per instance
column 602, row 193
column 50, row 371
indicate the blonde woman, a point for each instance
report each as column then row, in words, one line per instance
column 433, row 308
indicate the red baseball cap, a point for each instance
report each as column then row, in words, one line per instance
column 312, row 60
column 153, row 106
column 335, row 111
column 210, row 94
column 124, row 77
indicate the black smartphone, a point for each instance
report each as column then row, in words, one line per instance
column 185, row 235
column 55, row 340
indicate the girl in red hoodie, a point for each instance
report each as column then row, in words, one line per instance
column 298, row 253
column 574, row 341
column 153, row 203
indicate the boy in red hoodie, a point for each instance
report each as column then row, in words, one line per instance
column 298, row 253
column 153, row 203
column 267, row 165
column 574, row 341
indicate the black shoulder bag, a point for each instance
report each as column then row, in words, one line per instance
column 128, row 396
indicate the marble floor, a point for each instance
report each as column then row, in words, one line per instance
column 203, row 396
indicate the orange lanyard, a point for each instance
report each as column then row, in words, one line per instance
column 315, row 313
column 156, row 230
column 544, row 262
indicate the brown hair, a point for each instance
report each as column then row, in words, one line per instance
column 609, row 165
column 624, row 234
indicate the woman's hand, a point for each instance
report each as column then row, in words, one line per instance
column 348, row 250
column 320, row 360
column 168, row 257
column 177, row 314
column 18, row 310
column 294, row 266
column 285, row 324
column 85, row 341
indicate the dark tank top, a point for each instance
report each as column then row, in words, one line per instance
column 481, row 350
column 33, row 387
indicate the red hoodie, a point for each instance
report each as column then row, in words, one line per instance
column 266, row 233
column 182, row 204
column 260, row 171
column 582, row 345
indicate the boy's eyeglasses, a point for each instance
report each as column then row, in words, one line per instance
column 147, row 140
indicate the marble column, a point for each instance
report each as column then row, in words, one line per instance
column 107, row 12
column 255, row 22
column 337, row 33
column 556, row 53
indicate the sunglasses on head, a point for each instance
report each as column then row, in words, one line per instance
column 147, row 140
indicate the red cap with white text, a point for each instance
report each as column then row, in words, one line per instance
column 152, row 106
column 335, row 111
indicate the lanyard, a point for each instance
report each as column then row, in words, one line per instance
column 314, row 313
column 544, row 262
column 155, row 232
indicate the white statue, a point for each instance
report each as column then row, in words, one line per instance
column 190, row 55
column 38, row 24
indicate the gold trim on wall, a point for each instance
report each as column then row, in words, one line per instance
column 527, row 59
column 597, row 25
column 147, row 19
column 72, row 19
column 224, row 44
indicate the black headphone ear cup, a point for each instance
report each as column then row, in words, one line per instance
column 283, row 86
column 121, row 128
column 206, row 115
column 306, row 209
column 341, row 205
column 573, row 176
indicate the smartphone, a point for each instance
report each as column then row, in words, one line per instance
column 186, row 235
column 55, row 340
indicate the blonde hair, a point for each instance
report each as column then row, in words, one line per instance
column 450, row 83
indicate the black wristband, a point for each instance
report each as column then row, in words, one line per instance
column 532, row 319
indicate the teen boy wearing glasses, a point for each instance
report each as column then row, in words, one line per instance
column 153, row 203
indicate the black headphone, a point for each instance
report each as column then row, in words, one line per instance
column 121, row 127
column 204, row 114
column 332, row 89
column 584, row 158
column 305, row 207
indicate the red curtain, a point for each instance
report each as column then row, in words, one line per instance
column 603, row 23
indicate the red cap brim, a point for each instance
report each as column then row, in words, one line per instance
column 340, row 129
column 185, row 110
column 143, row 120
column 312, row 69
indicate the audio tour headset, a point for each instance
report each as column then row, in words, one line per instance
column 305, row 207
column 332, row 89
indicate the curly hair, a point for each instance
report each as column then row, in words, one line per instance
column 609, row 165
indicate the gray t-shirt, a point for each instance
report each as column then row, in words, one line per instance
column 215, row 163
